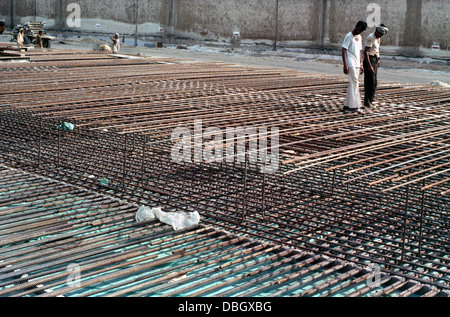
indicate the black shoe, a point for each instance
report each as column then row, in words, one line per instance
column 356, row 110
column 345, row 109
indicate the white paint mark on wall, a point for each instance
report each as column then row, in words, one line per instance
column 74, row 18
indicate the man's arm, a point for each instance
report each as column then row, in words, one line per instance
column 367, row 58
column 344, row 60
column 361, row 66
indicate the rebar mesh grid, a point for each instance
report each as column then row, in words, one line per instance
column 365, row 189
column 62, row 240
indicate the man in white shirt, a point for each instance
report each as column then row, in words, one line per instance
column 20, row 38
column 371, row 64
column 353, row 67
column 116, row 43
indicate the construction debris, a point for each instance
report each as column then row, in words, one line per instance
column 67, row 126
column 105, row 47
column 439, row 83
column 178, row 220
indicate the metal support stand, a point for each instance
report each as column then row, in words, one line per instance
column 143, row 159
column 244, row 200
column 124, row 162
column 263, row 196
column 59, row 141
column 405, row 220
column 422, row 211
column 40, row 140
column 334, row 183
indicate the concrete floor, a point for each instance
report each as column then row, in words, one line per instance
column 407, row 71
column 394, row 69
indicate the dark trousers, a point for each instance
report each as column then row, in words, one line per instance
column 370, row 81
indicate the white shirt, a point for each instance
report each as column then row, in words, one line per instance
column 353, row 45
column 116, row 45
column 374, row 45
column 19, row 39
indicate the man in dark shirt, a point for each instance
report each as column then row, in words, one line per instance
column 371, row 64
column 39, row 41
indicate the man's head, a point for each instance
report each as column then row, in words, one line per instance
column 41, row 32
column 360, row 27
column 2, row 27
column 381, row 30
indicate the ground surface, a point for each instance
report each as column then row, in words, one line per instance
column 328, row 219
column 394, row 69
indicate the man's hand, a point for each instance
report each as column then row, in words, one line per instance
column 346, row 70
column 361, row 69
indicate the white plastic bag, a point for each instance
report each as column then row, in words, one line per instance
column 178, row 220
column 144, row 213
column 190, row 219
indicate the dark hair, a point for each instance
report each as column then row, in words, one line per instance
column 362, row 24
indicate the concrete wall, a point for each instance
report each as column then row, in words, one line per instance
column 413, row 23
column 224, row 17
column 435, row 23
column 112, row 15
column 344, row 14
column 254, row 19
